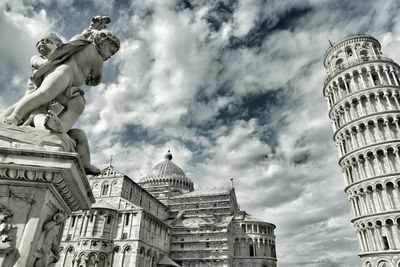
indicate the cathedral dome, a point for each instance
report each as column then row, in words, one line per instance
column 167, row 173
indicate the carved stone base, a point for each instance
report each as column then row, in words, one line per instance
column 41, row 182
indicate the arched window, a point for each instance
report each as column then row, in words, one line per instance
column 349, row 52
column 251, row 249
column 364, row 54
column 127, row 215
column 339, row 63
column 384, row 264
column 385, row 242
column 73, row 218
column 104, row 190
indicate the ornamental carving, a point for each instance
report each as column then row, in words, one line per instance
column 6, row 233
column 49, row 252
column 40, row 175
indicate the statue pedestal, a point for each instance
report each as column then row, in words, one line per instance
column 42, row 180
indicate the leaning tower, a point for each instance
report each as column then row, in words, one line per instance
column 363, row 94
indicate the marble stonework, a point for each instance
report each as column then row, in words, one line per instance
column 41, row 181
column 362, row 90
column 163, row 221
column 43, row 160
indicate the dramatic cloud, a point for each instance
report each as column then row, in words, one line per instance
column 234, row 88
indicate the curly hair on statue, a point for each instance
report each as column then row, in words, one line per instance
column 98, row 37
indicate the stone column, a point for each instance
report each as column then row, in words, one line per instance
column 394, row 77
column 380, row 102
column 371, row 201
column 130, row 225
column 370, row 168
column 380, row 76
column 371, row 238
column 360, row 240
column 370, row 78
column 356, row 207
column 84, row 219
column 394, row 95
column 396, row 235
column 87, row 216
column 93, row 222
column 362, row 79
column 387, row 76
column 345, row 85
column 104, row 217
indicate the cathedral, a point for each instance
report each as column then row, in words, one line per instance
column 163, row 221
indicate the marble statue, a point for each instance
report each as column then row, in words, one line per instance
column 45, row 47
column 5, row 230
column 97, row 23
column 49, row 253
column 69, row 66
column 57, row 74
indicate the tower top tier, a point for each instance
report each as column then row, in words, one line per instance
column 351, row 49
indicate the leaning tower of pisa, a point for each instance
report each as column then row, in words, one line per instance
column 363, row 94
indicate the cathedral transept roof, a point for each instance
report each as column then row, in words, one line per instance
column 110, row 172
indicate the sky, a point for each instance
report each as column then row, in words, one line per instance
column 233, row 88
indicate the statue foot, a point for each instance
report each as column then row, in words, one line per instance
column 10, row 120
column 53, row 123
column 92, row 170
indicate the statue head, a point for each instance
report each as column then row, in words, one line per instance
column 58, row 217
column 48, row 43
column 106, row 42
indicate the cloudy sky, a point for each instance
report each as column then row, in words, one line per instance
column 233, row 87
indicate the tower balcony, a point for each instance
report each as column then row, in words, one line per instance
column 354, row 62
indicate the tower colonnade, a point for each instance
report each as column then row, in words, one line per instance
column 362, row 90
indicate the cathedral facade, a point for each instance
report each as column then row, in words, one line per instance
column 363, row 94
column 163, row 221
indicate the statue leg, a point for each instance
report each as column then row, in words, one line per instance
column 82, row 148
column 73, row 110
column 54, row 84
column 39, row 121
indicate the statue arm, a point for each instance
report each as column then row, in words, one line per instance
column 96, row 73
column 99, row 22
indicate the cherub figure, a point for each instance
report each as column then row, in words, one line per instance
column 49, row 253
column 68, row 67
column 45, row 47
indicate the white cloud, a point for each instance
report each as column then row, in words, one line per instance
column 177, row 83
